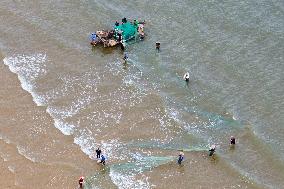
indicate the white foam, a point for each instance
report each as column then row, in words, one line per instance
column 123, row 181
column 65, row 128
column 87, row 142
column 11, row 169
column 113, row 147
column 24, row 153
column 73, row 108
column 28, row 68
column 5, row 139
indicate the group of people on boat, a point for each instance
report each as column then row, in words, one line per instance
column 120, row 33
column 104, row 37
column 114, row 37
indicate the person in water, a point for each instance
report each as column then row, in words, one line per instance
column 186, row 77
column 158, row 44
column 180, row 157
column 93, row 37
column 125, row 57
column 124, row 20
column 103, row 160
column 98, row 152
column 135, row 23
column 233, row 140
column 212, row 150
column 81, row 181
column 119, row 34
column 110, row 34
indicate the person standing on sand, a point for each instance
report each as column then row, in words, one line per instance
column 103, row 160
column 81, row 181
column 98, row 152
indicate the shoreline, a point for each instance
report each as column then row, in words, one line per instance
column 67, row 163
column 28, row 137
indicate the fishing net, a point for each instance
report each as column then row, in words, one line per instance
column 127, row 29
column 172, row 147
column 141, row 165
column 124, row 174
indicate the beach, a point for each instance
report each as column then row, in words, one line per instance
column 61, row 98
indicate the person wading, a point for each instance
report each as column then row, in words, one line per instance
column 158, row 45
column 212, row 150
column 180, row 157
column 186, row 77
column 233, row 140
column 98, row 152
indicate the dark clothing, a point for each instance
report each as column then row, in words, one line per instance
column 122, row 46
column 211, row 151
column 110, row 34
column 81, row 180
column 119, row 37
column 158, row 46
column 98, row 151
column 233, row 141
column 125, row 57
column 180, row 158
column 116, row 24
column 135, row 23
column 124, row 20
column 103, row 160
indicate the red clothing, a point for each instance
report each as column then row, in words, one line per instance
column 81, row 180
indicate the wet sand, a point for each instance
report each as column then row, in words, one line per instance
column 231, row 50
column 40, row 155
column 199, row 171
column 32, row 151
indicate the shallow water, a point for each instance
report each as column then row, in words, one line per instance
column 232, row 50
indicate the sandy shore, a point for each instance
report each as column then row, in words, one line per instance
column 198, row 171
column 32, row 151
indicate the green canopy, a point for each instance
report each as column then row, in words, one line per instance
column 128, row 30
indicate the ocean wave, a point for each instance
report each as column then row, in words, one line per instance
column 130, row 175
column 28, row 68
